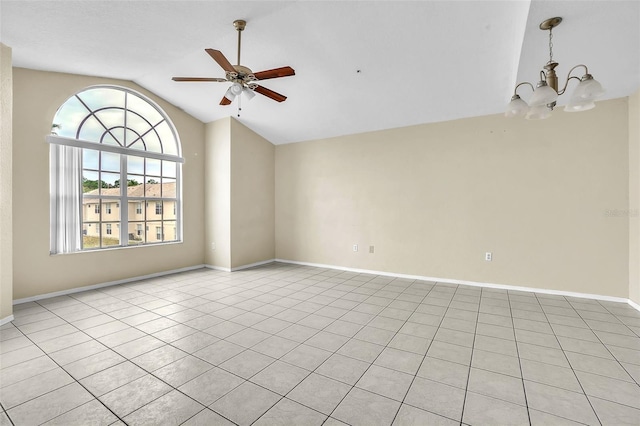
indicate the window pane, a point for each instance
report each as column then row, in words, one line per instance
column 170, row 233
column 169, row 143
column 133, row 139
column 169, row 209
column 168, row 188
column 90, row 182
column 152, row 142
column 68, row 118
column 109, row 210
column 90, row 209
column 110, row 234
column 91, row 130
column 137, row 123
column 110, row 162
column 135, row 165
column 90, row 235
column 111, row 118
column 99, row 97
column 110, row 184
column 143, row 108
column 109, row 138
column 137, row 233
column 137, row 210
column 169, row 169
column 90, row 159
column 153, row 167
column 154, row 232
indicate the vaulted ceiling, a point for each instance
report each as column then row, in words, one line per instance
column 360, row 65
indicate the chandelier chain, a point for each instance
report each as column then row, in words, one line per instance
column 551, row 44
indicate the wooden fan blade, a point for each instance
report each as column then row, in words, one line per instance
column 270, row 94
column 221, row 60
column 198, row 79
column 275, row 73
column 225, row 101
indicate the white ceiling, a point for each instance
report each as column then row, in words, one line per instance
column 419, row 61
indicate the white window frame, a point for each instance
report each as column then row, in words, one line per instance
column 123, row 198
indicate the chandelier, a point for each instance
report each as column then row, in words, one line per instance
column 546, row 92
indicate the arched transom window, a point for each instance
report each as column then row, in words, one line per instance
column 115, row 172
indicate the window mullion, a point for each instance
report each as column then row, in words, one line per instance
column 124, row 202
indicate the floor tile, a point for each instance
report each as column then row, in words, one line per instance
column 172, row 408
column 208, row 417
column 139, row 346
column 495, row 344
column 560, row 402
column 111, row 378
column 442, row 371
column 25, row 390
column 364, row 351
column 412, row 416
column 450, row 352
column 49, row 405
column 383, row 381
column 483, row 410
column 211, row 385
column 597, row 365
column 361, row 407
column 280, row 377
column 405, row 342
column 275, row 346
column 495, row 385
column 550, row 375
column 183, row 370
column 287, row 412
column 540, row 418
column 497, row 363
column 219, row 352
column 614, row 390
column 247, row 363
column 407, row 362
column 611, row 413
column 91, row 413
column 130, row 397
column 306, row 357
column 246, row 403
column 158, row 358
column 436, row 397
column 320, row 393
column 342, row 368
column 543, row 354
column 26, row 370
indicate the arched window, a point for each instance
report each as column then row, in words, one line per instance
column 115, row 168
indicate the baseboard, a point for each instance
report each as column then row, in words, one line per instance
column 241, row 267
column 469, row 283
column 6, row 320
column 107, row 284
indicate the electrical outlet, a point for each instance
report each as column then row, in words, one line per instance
column 355, row 247
column 370, row 249
column 488, row 256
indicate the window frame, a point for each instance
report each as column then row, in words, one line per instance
column 123, row 199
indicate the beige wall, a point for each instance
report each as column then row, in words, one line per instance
column 6, row 216
column 218, row 194
column 434, row 198
column 240, row 215
column 634, row 197
column 37, row 95
column 252, row 197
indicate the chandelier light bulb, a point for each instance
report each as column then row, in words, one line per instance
column 538, row 112
column 516, row 108
column 543, row 94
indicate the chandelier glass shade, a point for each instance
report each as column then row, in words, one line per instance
column 546, row 93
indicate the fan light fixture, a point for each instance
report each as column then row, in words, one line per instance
column 546, row 92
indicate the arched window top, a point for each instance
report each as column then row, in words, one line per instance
column 116, row 117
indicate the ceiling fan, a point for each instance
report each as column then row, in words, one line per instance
column 243, row 79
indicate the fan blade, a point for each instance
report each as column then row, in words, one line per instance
column 225, row 101
column 198, row 79
column 221, row 60
column 270, row 94
column 275, row 73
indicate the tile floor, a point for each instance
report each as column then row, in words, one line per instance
column 284, row 344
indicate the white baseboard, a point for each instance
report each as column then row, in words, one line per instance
column 6, row 320
column 239, row 268
column 107, row 284
column 469, row 283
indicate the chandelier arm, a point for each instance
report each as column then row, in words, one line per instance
column 571, row 77
column 515, row 91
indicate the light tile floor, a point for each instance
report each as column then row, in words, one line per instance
column 285, row 344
